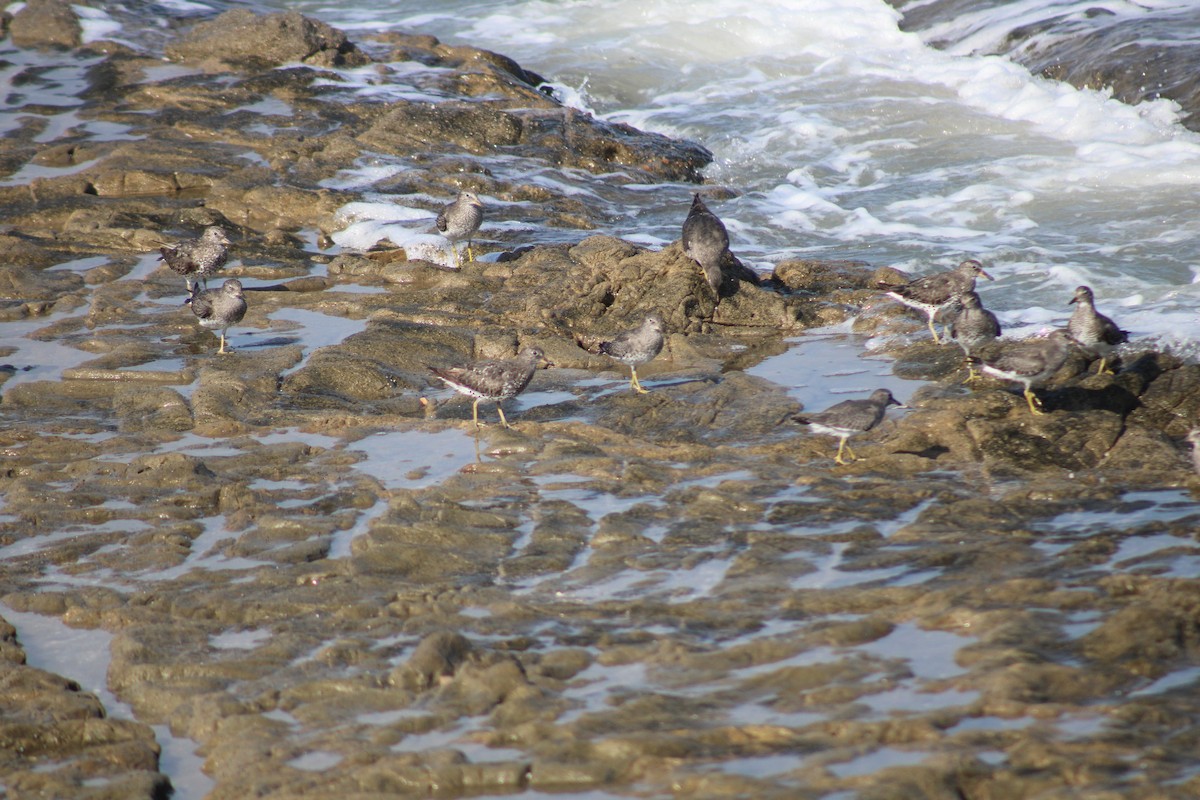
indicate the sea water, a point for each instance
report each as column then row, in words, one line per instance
column 845, row 137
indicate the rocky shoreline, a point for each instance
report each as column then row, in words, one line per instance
column 592, row 600
column 1137, row 57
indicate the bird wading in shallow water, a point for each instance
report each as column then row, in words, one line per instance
column 973, row 327
column 493, row 379
column 933, row 293
column 1093, row 331
column 459, row 221
column 636, row 347
column 849, row 417
column 1030, row 362
column 218, row 309
column 198, row 258
column 706, row 241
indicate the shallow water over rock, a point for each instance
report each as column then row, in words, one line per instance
column 303, row 558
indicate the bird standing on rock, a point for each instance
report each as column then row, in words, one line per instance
column 460, row 220
column 198, row 258
column 849, row 417
column 638, row 346
column 1094, row 331
column 219, row 308
column 973, row 327
column 492, row 379
column 706, row 241
column 1030, row 362
column 933, row 293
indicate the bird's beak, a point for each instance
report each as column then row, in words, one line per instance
column 1072, row 300
column 984, row 274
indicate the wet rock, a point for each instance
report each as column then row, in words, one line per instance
column 241, row 37
column 46, row 23
column 143, row 408
column 59, row 744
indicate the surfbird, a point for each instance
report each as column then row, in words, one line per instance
column 849, row 417
column 459, row 221
column 973, row 327
column 933, row 293
column 1194, row 438
column 1095, row 332
column 705, row 241
column 198, row 258
column 493, row 379
column 1030, row 362
column 636, row 347
column 219, row 308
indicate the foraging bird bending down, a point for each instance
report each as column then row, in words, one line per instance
column 638, row 346
column 218, row 308
column 973, row 327
column 1091, row 329
column 460, row 220
column 849, row 417
column 933, row 293
column 492, row 379
column 706, row 241
column 198, row 258
column 1030, row 362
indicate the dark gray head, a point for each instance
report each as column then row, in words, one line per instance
column 534, row 355
column 654, row 322
column 884, row 397
column 215, row 234
column 470, row 198
column 1083, row 294
column 972, row 268
column 970, row 300
column 232, row 287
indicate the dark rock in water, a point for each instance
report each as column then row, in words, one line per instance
column 1137, row 56
column 241, row 37
column 46, row 23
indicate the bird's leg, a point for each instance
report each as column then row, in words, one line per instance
column 1034, row 403
column 470, row 253
column 933, row 330
column 849, row 450
column 503, row 421
column 837, row 459
column 972, row 374
column 457, row 255
column 475, row 412
column 222, row 348
column 1104, row 367
column 634, row 383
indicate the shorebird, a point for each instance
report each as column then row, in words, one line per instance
column 198, row 257
column 933, row 293
column 635, row 347
column 974, row 326
column 1091, row 329
column 849, row 417
column 1030, row 362
column 705, row 241
column 460, row 220
column 218, row 308
column 492, row 379
column 1194, row 438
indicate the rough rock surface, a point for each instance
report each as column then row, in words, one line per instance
column 314, row 568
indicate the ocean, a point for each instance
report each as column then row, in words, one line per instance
column 844, row 137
